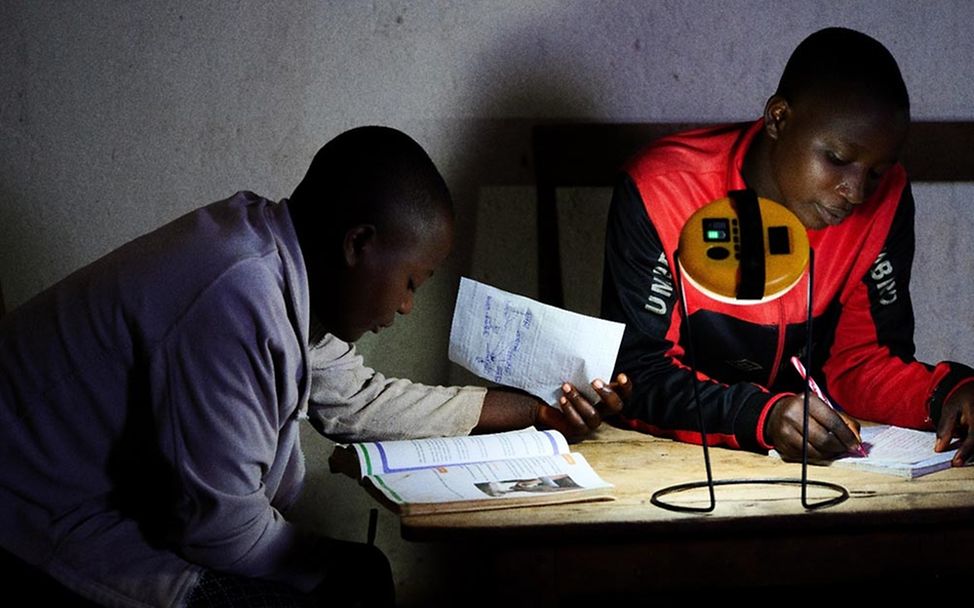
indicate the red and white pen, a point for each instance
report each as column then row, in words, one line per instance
column 861, row 451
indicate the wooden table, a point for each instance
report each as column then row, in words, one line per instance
column 892, row 531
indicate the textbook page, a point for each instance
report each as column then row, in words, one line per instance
column 408, row 455
column 516, row 341
column 525, row 481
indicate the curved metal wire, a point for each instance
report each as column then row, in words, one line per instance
column 710, row 484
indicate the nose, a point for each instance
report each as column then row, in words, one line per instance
column 407, row 304
column 855, row 186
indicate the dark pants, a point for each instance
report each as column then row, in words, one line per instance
column 357, row 575
column 34, row 587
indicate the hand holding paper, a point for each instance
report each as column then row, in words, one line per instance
column 576, row 414
column 507, row 408
column 515, row 341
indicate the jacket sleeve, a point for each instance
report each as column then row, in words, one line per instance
column 352, row 402
column 871, row 370
column 639, row 290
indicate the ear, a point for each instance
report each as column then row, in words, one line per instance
column 359, row 240
column 776, row 115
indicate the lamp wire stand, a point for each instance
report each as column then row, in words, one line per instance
column 841, row 493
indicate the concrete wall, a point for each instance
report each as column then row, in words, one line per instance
column 118, row 116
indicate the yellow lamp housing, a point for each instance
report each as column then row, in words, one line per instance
column 743, row 249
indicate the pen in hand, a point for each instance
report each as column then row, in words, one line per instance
column 858, row 450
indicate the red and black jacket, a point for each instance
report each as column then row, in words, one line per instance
column 862, row 353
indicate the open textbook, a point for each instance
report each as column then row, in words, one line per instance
column 898, row 451
column 516, row 341
column 471, row 473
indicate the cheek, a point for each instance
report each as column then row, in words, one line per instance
column 389, row 293
column 807, row 179
column 822, row 174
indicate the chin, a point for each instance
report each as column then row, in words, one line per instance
column 820, row 224
column 347, row 334
column 353, row 336
column 811, row 221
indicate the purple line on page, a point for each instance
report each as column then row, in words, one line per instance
column 551, row 440
column 389, row 469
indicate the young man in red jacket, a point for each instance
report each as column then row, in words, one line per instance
column 826, row 148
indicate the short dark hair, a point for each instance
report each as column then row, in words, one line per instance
column 367, row 175
column 840, row 59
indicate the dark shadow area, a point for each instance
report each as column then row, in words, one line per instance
column 32, row 587
column 494, row 176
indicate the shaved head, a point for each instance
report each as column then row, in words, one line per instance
column 842, row 62
column 368, row 175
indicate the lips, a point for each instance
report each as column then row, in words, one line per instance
column 832, row 216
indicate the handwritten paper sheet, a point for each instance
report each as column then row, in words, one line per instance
column 895, row 444
column 515, row 341
column 905, row 452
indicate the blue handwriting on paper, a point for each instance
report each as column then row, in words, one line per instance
column 503, row 332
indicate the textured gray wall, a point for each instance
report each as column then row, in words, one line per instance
column 118, row 116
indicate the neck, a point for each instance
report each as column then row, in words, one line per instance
column 317, row 331
column 756, row 169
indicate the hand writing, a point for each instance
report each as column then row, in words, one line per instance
column 830, row 433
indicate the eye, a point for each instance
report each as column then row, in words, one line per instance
column 835, row 159
column 411, row 285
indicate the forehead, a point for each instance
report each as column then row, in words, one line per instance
column 856, row 121
column 422, row 240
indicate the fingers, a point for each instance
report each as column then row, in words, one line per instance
column 956, row 419
column 789, row 444
column 578, row 415
column 623, row 386
column 578, row 411
column 954, row 422
column 964, row 452
column 829, row 435
column 612, row 396
column 833, row 431
column 945, row 430
column 853, row 425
